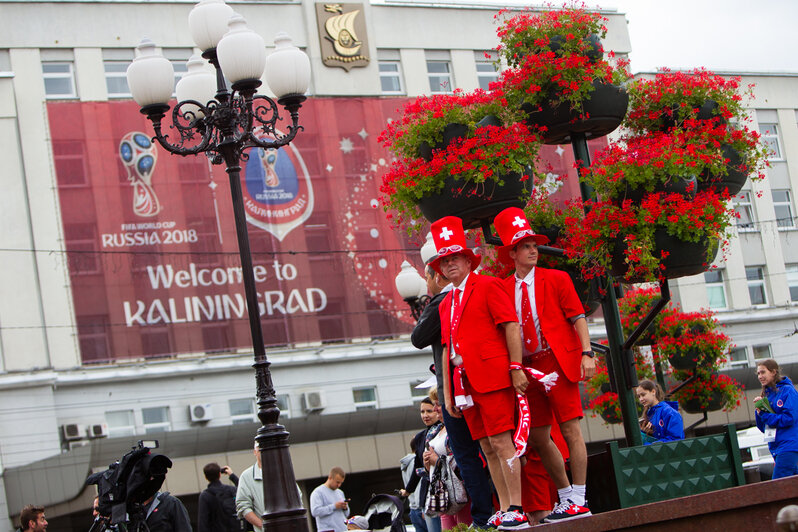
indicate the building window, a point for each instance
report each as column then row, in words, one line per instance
column 744, row 210
column 486, row 69
column 738, row 357
column 156, row 419
column 59, row 80
column 782, row 205
column 242, row 411
column 390, row 66
column 762, row 351
column 179, row 58
column 770, row 138
column 756, row 284
column 120, row 423
column 439, row 71
column 284, row 404
column 792, row 281
column 365, row 398
column 716, row 290
column 116, row 79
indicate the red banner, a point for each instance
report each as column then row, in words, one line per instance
column 151, row 242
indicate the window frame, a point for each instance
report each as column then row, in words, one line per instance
column 739, row 363
column 783, row 222
column 237, row 419
column 770, row 137
column 159, row 426
column 743, row 201
column 788, row 270
column 391, row 75
column 121, row 430
column 372, row 404
column 756, row 283
column 769, row 349
column 448, row 74
column 490, row 76
column 116, row 75
column 57, row 75
column 714, row 285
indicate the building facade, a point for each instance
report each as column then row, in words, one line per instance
column 123, row 319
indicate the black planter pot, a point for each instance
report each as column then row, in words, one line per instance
column 684, row 186
column 450, row 132
column 593, row 49
column 587, row 292
column 684, row 258
column 693, row 406
column 686, row 360
column 551, row 233
column 610, row 416
column 604, row 110
column 605, row 387
column 476, row 203
column 733, row 181
column 706, row 111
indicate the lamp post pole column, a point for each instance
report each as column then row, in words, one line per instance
column 283, row 509
column 621, row 360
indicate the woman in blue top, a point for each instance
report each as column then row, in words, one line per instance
column 660, row 422
column 781, row 431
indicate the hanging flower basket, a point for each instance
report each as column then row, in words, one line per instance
column 610, row 415
column 687, row 187
column 696, row 405
column 686, row 359
column 474, row 202
column 734, row 177
column 600, row 114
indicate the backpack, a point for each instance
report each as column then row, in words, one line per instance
column 227, row 516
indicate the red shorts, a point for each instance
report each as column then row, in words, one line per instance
column 537, row 489
column 562, row 403
column 492, row 413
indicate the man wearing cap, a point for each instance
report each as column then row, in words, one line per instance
column 427, row 332
column 555, row 339
column 482, row 335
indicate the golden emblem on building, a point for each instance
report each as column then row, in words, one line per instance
column 342, row 33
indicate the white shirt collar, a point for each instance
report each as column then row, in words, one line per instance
column 528, row 279
column 462, row 285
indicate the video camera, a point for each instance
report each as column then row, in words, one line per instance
column 129, row 482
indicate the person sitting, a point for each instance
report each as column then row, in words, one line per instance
column 661, row 422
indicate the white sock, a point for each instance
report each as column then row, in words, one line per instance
column 578, row 495
column 565, row 493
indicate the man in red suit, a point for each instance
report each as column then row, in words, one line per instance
column 555, row 339
column 480, row 330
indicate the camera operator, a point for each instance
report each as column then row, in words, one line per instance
column 166, row 513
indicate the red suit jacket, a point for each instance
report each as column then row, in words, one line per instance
column 556, row 301
column 480, row 338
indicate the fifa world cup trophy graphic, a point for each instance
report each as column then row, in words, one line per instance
column 138, row 155
column 267, row 159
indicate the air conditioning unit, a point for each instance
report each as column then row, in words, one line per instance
column 99, row 430
column 313, row 401
column 72, row 431
column 200, row 412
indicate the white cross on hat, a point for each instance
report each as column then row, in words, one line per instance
column 446, row 233
column 518, row 222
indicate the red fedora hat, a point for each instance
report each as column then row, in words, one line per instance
column 513, row 227
column 449, row 239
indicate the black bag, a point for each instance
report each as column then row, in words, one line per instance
column 228, row 516
column 438, row 494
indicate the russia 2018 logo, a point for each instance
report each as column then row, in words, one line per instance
column 278, row 195
column 139, row 156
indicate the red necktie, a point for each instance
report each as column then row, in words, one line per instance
column 456, row 311
column 527, row 321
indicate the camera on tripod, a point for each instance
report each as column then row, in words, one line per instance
column 128, row 483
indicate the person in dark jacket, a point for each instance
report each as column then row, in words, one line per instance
column 427, row 333
column 779, row 426
column 217, row 502
column 661, row 422
column 166, row 513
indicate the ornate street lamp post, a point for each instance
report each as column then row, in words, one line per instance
column 223, row 126
column 413, row 289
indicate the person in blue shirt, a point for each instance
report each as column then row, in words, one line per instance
column 660, row 422
column 780, row 424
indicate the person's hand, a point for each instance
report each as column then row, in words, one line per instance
column 588, row 367
column 454, row 411
column 403, row 493
column 520, row 380
column 431, row 456
column 759, row 398
column 340, row 505
column 225, row 470
column 648, row 428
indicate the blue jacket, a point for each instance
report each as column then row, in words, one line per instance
column 666, row 421
column 784, row 401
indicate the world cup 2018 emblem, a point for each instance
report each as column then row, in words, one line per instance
column 278, row 195
column 139, row 156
